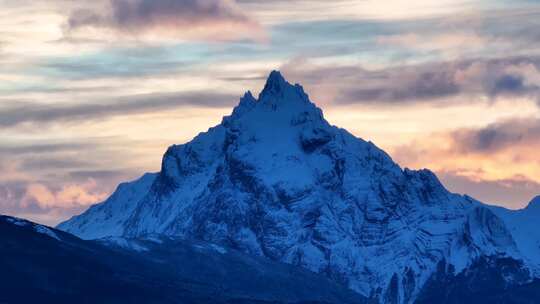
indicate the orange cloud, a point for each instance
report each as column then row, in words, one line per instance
column 69, row 196
column 508, row 150
column 498, row 169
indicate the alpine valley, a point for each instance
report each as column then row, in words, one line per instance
column 276, row 195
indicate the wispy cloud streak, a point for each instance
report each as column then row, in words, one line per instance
column 427, row 82
column 219, row 20
column 29, row 112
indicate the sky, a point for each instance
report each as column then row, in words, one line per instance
column 93, row 92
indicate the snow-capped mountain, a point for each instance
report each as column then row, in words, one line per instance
column 275, row 179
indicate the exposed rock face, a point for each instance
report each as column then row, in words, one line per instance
column 275, row 179
column 487, row 280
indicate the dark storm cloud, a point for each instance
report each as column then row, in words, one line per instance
column 498, row 136
column 429, row 82
column 27, row 112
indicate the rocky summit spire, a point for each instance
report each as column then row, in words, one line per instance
column 275, row 83
column 277, row 90
column 278, row 102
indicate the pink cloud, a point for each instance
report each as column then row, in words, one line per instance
column 214, row 20
column 69, row 196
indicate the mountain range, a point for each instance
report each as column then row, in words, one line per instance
column 277, row 184
column 44, row 265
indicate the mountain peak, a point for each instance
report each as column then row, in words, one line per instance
column 279, row 101
column 278, row 88
column 275, row 85
column 275, row 80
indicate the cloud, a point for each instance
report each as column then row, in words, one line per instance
column 47, row 203
column 98, row 174
column 498, row 136
column 509, row 145
column 508, row 84
column 215, row 20
column 42, row 203
column 50, row 182
column 275, row 11
column 30, row 112
column 491, row 32
column 514, row 192
column 35, row 163
column 497, row 163
column 434, row 82
column 440, row 41
column 40, row 147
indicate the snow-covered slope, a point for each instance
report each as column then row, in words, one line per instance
column 32, row 227
column 112, row 214
column 525, row 228
column 275, row 179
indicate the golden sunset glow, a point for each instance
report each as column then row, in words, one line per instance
column 90, row 97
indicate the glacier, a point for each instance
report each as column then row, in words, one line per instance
column 275, row 179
